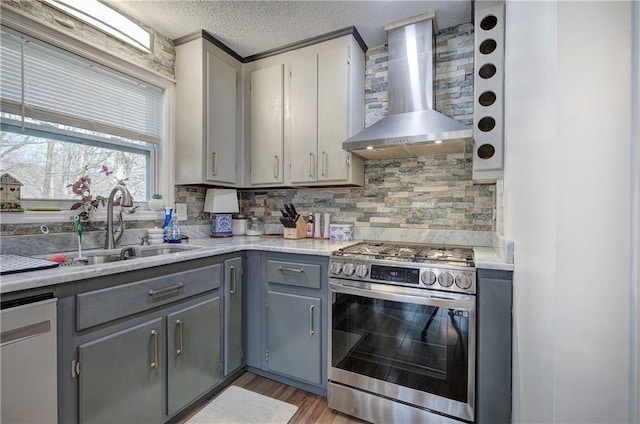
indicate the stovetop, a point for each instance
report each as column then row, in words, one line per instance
column 415, row 265
column 409, row 252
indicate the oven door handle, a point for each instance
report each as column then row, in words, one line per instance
column 445, row 300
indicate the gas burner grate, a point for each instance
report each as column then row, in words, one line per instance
column 400, row 252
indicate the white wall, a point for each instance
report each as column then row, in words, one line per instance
column 568, row 207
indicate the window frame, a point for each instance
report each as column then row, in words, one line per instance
column 161, row 180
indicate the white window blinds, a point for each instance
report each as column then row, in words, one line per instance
column 45, row 85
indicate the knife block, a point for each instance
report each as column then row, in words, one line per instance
column 300, row 231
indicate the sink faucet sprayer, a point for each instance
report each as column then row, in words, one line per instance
column 125, row 201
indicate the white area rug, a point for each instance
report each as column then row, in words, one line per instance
column 240, row 406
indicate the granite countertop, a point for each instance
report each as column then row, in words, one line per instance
column 486, row 257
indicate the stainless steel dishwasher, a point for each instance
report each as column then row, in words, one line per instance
column 28, row 353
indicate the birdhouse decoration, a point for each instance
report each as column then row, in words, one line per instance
column 9, row 194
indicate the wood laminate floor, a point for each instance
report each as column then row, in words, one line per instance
column 312, row 408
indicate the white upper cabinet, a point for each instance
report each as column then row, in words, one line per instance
column 221, row 138
column 340, row 113
column 322, row 105
column 267, row 126
column 206, row 147
column 303, row 119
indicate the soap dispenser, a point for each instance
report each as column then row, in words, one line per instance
column 171, row 231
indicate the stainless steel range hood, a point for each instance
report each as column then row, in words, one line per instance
column 412, row 127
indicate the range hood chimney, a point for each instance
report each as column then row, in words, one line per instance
column 412, row 128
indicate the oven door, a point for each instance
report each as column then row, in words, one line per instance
column 412, row 345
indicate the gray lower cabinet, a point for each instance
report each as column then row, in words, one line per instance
column 493, row 356
column 193, row 353
column 120, row 380
column 294, row 323
column 294, row 336
column 140, row 347
column 233, row 299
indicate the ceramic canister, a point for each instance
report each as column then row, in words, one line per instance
column 239, row 227
column 341, row 232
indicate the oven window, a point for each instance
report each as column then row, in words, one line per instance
column 417, row 346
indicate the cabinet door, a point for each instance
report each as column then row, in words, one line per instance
column 220, row 122
column 293, row 336
column 233, row 356
column 333, row 114
column 267, row 128
column 193, row 361
column 121, row 377
column 303, row 116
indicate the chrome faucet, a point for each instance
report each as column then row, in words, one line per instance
column 125, row 201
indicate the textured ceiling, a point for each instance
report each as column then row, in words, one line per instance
column 251, row 27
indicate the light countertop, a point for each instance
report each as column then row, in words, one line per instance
column 486, row 257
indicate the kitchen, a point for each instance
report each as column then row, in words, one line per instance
column 552, row 349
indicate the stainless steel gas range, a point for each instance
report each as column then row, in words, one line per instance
column 402, row 336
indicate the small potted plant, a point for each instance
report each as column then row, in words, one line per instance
column 156, row 203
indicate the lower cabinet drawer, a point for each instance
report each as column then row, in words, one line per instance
column 100, row 306
column 293, row 274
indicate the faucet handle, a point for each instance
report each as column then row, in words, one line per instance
column 144, row 240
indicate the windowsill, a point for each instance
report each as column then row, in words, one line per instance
column 67, row 215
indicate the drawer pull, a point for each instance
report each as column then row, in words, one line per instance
column 286, row 268
column 155, row 335
column 166, row 289
column 180, row 324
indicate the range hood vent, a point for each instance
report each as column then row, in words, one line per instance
column 413, row 127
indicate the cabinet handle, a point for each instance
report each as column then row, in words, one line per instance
column 214, row 164
column 311, row 332
column 310, row 165
column 155, row 335
column 166, row 289
column 286, row 268
column 233, row 280
column 323, row 164
column 276, row 167
column 180, row 325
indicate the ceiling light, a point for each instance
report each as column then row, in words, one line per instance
column 107, row 20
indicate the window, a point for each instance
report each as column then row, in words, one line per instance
column 61, row 113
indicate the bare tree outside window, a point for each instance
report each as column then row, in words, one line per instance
column 46, row 166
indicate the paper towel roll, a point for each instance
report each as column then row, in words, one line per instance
column 326, row 222
column 317, row 228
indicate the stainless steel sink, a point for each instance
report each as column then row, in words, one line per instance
column 162, row 250
column 131, row 252
column 100, row 259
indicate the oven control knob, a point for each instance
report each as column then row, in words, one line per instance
column 445, row 279
column 348, row 269
column 335, row 268
column 463, row 281
column 428, row 278
column 361, row 271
